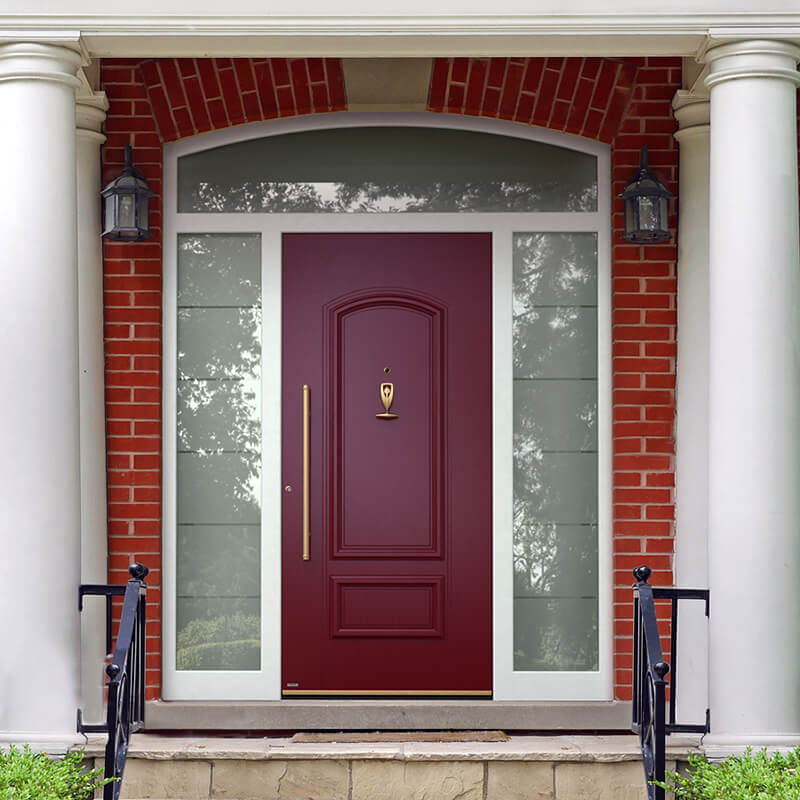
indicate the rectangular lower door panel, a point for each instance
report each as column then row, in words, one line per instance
column 386, row 607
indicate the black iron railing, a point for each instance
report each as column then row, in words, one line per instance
column 652, row 721
column 126, row 672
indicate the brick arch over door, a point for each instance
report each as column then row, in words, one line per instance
column 624, row 103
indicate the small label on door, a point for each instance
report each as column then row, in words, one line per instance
column 292, row 685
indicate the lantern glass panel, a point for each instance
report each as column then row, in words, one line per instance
column 630, row 215
column 663, row 212
column 110, row 215
column 127, row 211
column 648, row 213
column 142, row 216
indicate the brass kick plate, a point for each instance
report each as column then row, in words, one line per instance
column 390, row 692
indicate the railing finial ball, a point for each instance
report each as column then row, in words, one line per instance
column 661, row 668
column 642, row 573
column 138, row 571
column 112, row 670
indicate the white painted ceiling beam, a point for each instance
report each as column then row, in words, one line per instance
column 682, row 33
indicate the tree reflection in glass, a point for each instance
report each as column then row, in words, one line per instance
column 555, row 451
column 219, row 452
column 387, row 170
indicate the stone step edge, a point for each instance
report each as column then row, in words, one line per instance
column 581, row 749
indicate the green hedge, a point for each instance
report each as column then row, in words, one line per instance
column 35, row 776
column 747, row 777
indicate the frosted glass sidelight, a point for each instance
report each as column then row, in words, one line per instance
column 556, row 414
column 219, row 560
column 219, row 414
column 387, row 169
column 219, row 269
column 556, row 487
column 554, row 269
column 220, row 342
column 218, row 464
column 219, row 488
column 218, row 633
column 555, row 451
column 560, row 633
column 556, row 342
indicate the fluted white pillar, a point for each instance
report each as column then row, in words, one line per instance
column 39, row 464
column 754, row 397
column 691, row 424
column 89, row 117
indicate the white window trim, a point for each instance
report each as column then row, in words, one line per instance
column 265, row 684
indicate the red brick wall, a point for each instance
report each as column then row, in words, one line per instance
column 644, row 349
column 132, row 285
column 623, row 103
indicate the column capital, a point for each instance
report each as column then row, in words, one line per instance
column 39, row 61
column 756, row 58
column 692, row 111
column 90, row 114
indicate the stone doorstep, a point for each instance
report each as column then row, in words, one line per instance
column 386, row 715
column 523, row 768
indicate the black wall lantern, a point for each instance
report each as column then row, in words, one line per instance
column 646, row 206
column 128, row 204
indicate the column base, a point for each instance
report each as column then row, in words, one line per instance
column 54, row 744
column 720, row 746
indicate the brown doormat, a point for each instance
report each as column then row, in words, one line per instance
column 404, row 736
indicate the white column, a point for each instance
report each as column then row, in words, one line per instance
column 691, row 430
column 754, row 397
column 89, row 117
column 39, row 466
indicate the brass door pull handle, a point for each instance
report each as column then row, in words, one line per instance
column 306, row 470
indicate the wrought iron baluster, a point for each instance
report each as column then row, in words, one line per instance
column 650, row 670
column 126, row 673
column 673, row 654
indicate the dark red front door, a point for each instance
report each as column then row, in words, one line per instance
column 395, row 596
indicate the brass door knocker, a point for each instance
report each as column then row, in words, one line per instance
column 387, row 396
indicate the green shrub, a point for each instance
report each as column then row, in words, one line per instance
column 25, row 775
column 747, row 777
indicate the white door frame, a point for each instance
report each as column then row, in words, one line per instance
column 508, row 684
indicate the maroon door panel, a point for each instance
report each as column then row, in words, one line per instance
column 396, row 595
